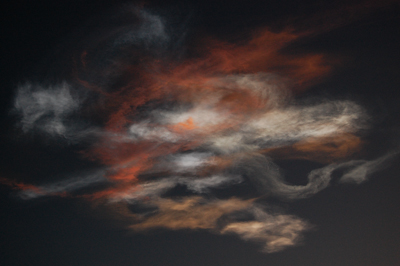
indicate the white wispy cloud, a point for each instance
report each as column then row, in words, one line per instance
column 358, row 171
column 67, row 185
column 150, row 31
column 45, row 108
column 155, row 189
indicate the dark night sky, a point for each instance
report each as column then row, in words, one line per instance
column 354, row 225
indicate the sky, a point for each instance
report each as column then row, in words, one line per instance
column 200, row 133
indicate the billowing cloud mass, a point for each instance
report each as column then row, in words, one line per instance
column 174, row 133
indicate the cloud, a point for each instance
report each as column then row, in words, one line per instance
column 45, row 109
column 157, row 188
column 267, row 177
column 190, row 161
column 204, row 184
column 201, row 123
column 290, row 124
column 144, row 130
column 65, row 186
column 189, row 213
column 150, row 32
column 275, row 231
column 358, row 171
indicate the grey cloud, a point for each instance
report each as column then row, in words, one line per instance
column 150, row 32
column 267, row 177
column 155, row 189
column 358, row 171
column 144, row 130
column 148, row 189
column 202, row 185
column 52, row 110
column 67, row 185
column 45, row 108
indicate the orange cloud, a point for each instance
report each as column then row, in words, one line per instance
column 189, row 213
column 324, row 150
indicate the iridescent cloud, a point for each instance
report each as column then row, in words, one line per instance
column 203, row 124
